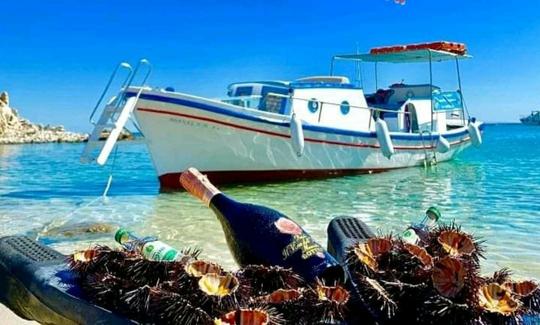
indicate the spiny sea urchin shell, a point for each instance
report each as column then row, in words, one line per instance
column 448, row 276
column 420, row 253
column 217, row 292
column 368, row 252
column 172, row 308
column 199, row 268
column 262, row 280
column 218, row 285
column 474, row 247
column 456, row 243
column 248, row 316
column 97, row 259
column 496, row 299
column 331, row 303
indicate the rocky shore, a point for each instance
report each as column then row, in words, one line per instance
column 15, row 129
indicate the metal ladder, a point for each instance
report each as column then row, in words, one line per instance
column 114, row 115
column 428, row 162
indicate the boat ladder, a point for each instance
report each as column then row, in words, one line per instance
column 114, row 115
column 428, row 161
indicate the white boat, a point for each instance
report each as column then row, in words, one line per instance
column 312, row 127
column 532, row 119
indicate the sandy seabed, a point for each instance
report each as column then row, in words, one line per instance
column 9, row 318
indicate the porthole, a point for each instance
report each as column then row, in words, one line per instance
column 313, row 105
column 345, row 107
column 409, row 94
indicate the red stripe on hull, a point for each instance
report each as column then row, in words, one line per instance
column 359, row 145
column 171, row 181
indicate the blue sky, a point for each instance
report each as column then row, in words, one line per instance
column 56, row 55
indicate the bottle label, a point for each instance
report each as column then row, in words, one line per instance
column 300, row 242
column 159, row 251
column 286, row 226
column 410, row 236
column 304, row 244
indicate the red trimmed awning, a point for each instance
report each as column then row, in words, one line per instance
column 452, row 47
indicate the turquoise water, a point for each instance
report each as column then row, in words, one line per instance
column 494, row 192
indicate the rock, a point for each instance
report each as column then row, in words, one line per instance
column 75, row 231
column 4, row 98
column 8, row 118
column 124, row 135
column 15, row 129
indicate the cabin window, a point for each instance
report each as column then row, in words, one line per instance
column 243, row 91
column 313, row 105
column 345, row 107
column 277, row 90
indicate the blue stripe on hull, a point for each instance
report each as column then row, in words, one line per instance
column 309, row 127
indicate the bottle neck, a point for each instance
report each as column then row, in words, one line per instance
column 198, row 185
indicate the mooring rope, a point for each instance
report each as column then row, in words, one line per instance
column 65, row 219
column 109, row 180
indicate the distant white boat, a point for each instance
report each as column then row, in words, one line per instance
column 311, row 127
column 532, row 119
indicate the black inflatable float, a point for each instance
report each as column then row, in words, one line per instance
column 37, row 284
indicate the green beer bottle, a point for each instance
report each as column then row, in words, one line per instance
column 149, row 247
column 416, row 233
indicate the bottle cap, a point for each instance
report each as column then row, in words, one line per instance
column 119, row 234
column 433, row 213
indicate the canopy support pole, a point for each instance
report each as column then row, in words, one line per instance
column 361, row 74
column 332, row 65
column 431, row 88
column 376, row 77
column 460, row 92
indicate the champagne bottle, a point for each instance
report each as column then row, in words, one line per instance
column 149, row 247
column 259, row 235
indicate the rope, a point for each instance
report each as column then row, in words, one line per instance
column 56, row 221
column 65, row 219
column 109, row 181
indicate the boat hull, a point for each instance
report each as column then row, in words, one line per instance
column 526, row 122
column 234, row 145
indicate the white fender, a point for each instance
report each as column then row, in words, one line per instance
column 383, row 136
column 442, row 145
column 297, row 135
column 474, row 133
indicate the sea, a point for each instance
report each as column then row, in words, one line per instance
column 493, row 192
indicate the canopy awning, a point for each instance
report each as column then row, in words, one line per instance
column 409, row 56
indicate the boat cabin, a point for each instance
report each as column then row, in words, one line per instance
column 335, row 101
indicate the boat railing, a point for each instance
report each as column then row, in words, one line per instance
column 117, row 101
column 446, row 102
column 337, row 105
